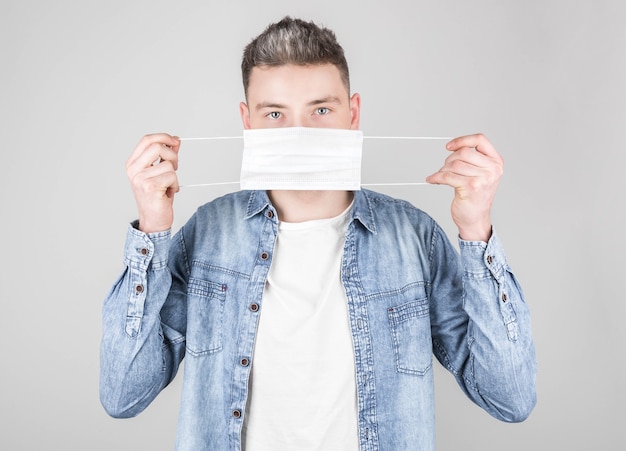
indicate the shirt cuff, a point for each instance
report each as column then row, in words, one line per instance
column 144, row 250
column 478, row 256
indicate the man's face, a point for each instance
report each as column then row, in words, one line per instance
column 299, row 96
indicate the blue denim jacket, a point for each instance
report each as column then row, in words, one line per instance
column 410, row 294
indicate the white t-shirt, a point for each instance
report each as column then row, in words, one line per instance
column 302, row 388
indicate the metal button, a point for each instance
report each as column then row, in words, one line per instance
column 139, row 288
column 244, row 362
column 270, row 214
column 144, row 251
column 490, row 259
column 504, row 297
column 237, row 413
column 254, row 307
column 264, row 255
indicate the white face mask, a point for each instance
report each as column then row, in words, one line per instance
column 305, row 159
column 301, row 158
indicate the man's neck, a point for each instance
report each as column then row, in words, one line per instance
column 300, row 206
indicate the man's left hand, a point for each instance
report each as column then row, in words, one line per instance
column 474, row 170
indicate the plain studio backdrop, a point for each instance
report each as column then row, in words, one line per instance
column 83, row 81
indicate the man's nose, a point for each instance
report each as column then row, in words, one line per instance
column 300, row 120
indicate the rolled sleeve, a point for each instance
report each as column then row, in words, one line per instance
column 479, row 257
column 142, row 252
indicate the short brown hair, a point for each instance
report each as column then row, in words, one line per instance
column 294, row 41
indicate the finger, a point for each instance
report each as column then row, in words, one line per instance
column 459, row 173
column 462, row 167
column 156, row 179
column 173, row 189
column 464, row 185
column 158, row 169
column 472, row 157
column 156, row 153
column 147, row 141
column 447, row 178
column 468, row 162
column 465, row 161
column 469, row 155
column 477, row 141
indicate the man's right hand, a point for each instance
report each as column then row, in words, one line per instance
column 151, row 170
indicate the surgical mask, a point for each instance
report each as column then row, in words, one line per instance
column 304, row 158
column 301, row 158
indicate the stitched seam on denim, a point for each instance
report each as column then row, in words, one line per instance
column 227, row 271
column 433, row 245
column 249, row 213
column 206, row 288
column 363, row 354
column 211, row 292
column 371, row 213
column 137, row 264
column 375, row 197
column 478, row 275
column 444, row 358
column 404, row 289
column 397, row 316
column 413, row 309
column 470, row 380
column 183, row 248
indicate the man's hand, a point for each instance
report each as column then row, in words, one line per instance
column 151, row 170
column 473, row 169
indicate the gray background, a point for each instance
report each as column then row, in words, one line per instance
column 83, row 81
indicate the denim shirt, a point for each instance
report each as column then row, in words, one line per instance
column 410, row 295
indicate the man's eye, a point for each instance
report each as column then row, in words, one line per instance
column 323, row 110
column 274, row 115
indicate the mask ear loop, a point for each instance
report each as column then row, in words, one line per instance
column 423, row 138
column 210, row 137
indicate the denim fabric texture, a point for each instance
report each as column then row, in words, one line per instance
column 410, row 294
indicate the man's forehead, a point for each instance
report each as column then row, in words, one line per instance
column 310, row 84
column 293, row 72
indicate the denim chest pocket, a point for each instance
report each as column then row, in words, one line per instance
column 205, row 316
column 411, row 337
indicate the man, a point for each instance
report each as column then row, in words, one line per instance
column 308, row 318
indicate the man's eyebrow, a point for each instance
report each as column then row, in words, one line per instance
column 262, row 105
column 329, row 99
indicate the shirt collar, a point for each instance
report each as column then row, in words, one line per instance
column 257, row 202
column 362, row 211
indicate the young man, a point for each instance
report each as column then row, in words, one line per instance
column 307, row 318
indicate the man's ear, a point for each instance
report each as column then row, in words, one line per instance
column 355, row 111
column 245, row 115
